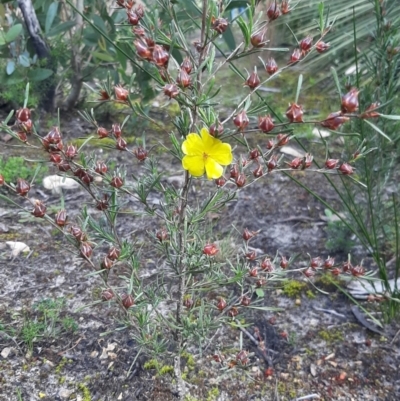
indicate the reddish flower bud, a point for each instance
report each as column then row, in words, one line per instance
column 271, row 67
column 86, row 178
column 162, row 234
column 295, row 163
column 187, row 65
column 261, row 282
column 183, row 79
column 350, row 101
column 142, row 49
column 171, row 91
column 113, row 253
column 272, row 163
column 117, row 182
column 61, row 218
column 248, row 235
column 220, row 182
column 77, row 233
column 1, row 180
column 27, row 126
column 241, row 120
column 357, row 271
column 121, row 144
column 116, row 129
column 127, row 301
column 53, row 137
column 284, row 262
column 86, row 250
column 107, row 294
column 253, row 80
column 254, row 154
column 160, row 56
column 221, row 305
column 133, row 18
column 101, row 168
column 258, row 172
column 240, row 180
column 267, row 265
column 71, row 151
column 23, row 115
column 138, row 31
column 336, row 271
column 102, row 204
column 270, row 144
column 234, row 171
column 306, row 43
column 253, row 272
column 210, row 249
column 188, row 302
column 219, row 24
column 334, row 120
column 121, row 94
column 216, row 129
column 346, row 169
column 265, row 123
column 23, row 187
column 309, row 272
column 39, row 209
column 104, row 95
column 347, row 266
column 322, row 46
column 285, row 9
column 233, row 312
column 369, row 112
column 257, row 39
column 245, row 301
column 273, row 11
column 295, row 57
column 282, row 139
column 251, row 255
column 22, row 136
column 64, row 166
column 102, row 132
column 140, row 153
column 328, row 264
column 55, row 158
column 294, row 113
column 107, row 263
column 316, row 262
column 331, row 163
column 139, row 9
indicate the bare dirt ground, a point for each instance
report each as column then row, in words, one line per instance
column 315, row 346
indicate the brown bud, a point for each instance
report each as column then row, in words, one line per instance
column 253, row 272
column 241, row 120
column 23, row 115
column 101, row 168
column 55, row 158
column 306, row 43
column 308, row 158
column 334, row 120
column 240, row 180
column 233, row 312
column 270, row 144
column 104, row 95
column 254, row 154
column 267, row 265
column 347, row 266
column 22, row 136
column 27, row 126
column 258, row 172
column 370, row 111
column 102, row 132
column 39, row 209
column 350, row 101
column 140, row 153
column 284, row 262
column 121, row 144
column 23, row 187
column 285, row 9
column 160, row 56
column 183, row 79
column 315, row 263
column 221, row 305
column 295, row 56
column 248, row 235
column 64, row 166
column 234, row 171
column 127, row 301
column 86, row 178
column 346, row 169
column 121, row 94
column 245, row 301
column 219, row 24
column 331, row 163
column 102, row 204
column 107, row 294
column 117, row 182
column 322, row 46
column 296, row 163
column 271, row 66
column 116, row 130
column 282, row 139
column 253, row 80
column 133, row 18
column 257, row 39
column 272, row 163
column 294, row 113
column 328, row 264
column 251, row 255
column 261, row 282
column 309, row 272
column 216, row 129
column 220, row 182
column 171, row 91
column 61, row 218
column 242, row 357
column 86, row 250
column 142, row 49
column 77, row 233
column 1, row 180
column 113, row 253
column 187, row 65
column 71, row 151
column 273, row 11
column 188, row 302
column 107, row 263
column 336, row 271
column 53, row 137
column 162, row 234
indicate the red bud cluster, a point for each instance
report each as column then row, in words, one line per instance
column 52, row 142
column 334, row 120
column 219, row 24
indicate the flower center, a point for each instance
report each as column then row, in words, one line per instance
column 205, row 156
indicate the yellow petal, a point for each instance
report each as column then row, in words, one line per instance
column 194, row 164
column 213, row 169
column 208, row 140
column 221, row 153
column 193, row 145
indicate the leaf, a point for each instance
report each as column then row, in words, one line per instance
column 39, row 74
column 60, row 28
column 229, row 39
column 13, row 33
column 389, row 117
column 10, row 68
column 378, row 130
column 259, row 292
column 24, row 60
column 51, row 14
column 103, row 56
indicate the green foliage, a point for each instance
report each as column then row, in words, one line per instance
column 293, row 288
column 16, row 167
column 339, row 236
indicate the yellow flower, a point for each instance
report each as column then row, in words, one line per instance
column 204, row 153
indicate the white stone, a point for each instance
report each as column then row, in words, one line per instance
column 17, row 247
column 56, row 183
column 320, row 133
column 288, row 150
column 6, row 352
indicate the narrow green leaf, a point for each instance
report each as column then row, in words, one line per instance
column 13, row 33
column 336, row 79
column 299, row 83
column 51, row 14
column 378, row 130
column 39, row 74
column 389, row 117
column 103, row 56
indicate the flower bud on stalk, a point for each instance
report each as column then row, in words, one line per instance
column 346, row 169
column 334, row 120
column 71, row 151
column 187, row 65
column 77, row 233
column 270, row 144
column 113, row 253
column 316, row 262
column 273, row 11
column 61, row 218
column 307, row 161
column 55, row 158
column 328, row 264
column 143, row 50
column 216, row 129
column 23, row 187
column 295, row 163
column 107, row 294
column 258, row 172
column 219, row 24
column 183, row 79
column 285, row 9
column 271, row 66
column 121, row 144
column 221, row 305
column 63, row 166
column 284, row 262
column 117, row 182
column 140, row 153
column 295, row 57
column 107, row 263
column 162, row 234
column 241, row 120
column 39, row 209
column 86, row 250
column 306, row 43
column 254, row 154
column 127, row 301
column 253, row 272
column 23, row 115
column 188, row 302
column 245, row 301
column 251, row 255
column 22, row 136
column 104, row 96
column 101, row 168
column 210, row 250
column 121, row 94
column 331, row 163
column 102, row 132
column 282, row 139
column 294, row 113
column 1, row 180
column 133, row 18
column 171, row 91
column 234, row 171
column 257, row 39
column 267, row 265
column 369, row 112
column 322, row 46
column 272, row 163
column 240, row 180
column 160, row 56
column 309, row 272
column 350, row 101
column 253, row 81
column 357, row 271
column 233, row 312
column 220, row 182
column 102, row 204
column 27, row 126
column 248, row 235
column 116, row 129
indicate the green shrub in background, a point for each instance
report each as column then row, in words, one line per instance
column 12, row 168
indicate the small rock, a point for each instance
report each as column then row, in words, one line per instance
column 6, row 352
column 288, row 150
column 17, row 248
column 56, row 183
column 320, row 133
column 313, row 370
column 64, row 393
